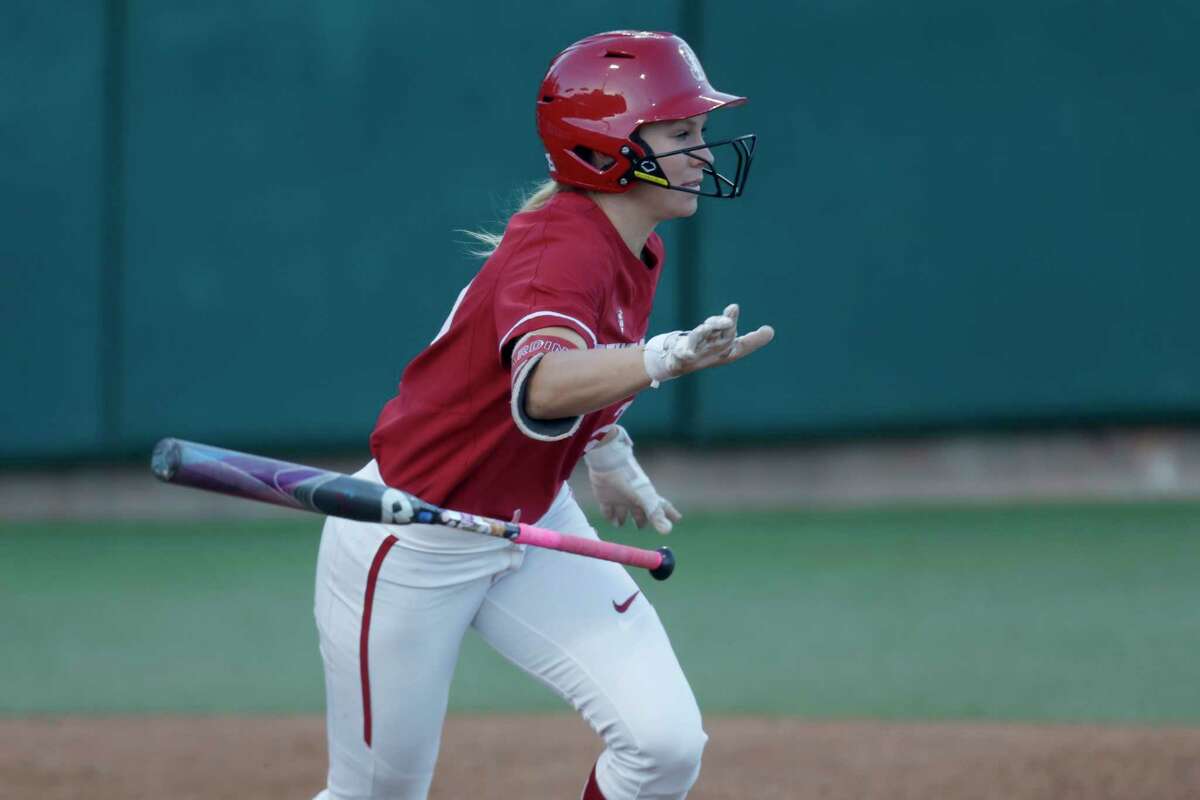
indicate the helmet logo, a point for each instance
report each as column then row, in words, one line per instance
column 693, row 63
column 648, row 166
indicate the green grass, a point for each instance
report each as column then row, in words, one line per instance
column 1074, row 613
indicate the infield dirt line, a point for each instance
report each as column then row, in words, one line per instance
column 548, row 757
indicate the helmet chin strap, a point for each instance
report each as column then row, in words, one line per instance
column 647, row 169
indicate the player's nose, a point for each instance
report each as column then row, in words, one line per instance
column 699, row 157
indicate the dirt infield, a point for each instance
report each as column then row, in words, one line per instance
column 548, row 757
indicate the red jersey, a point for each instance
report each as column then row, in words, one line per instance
column 453, row 435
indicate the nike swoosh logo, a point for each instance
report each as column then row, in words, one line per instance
column 623, row 607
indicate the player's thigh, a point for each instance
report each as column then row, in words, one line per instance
column 386, row 691
column 583, row 627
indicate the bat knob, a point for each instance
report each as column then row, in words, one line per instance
column 165, row 459
column 664, row 570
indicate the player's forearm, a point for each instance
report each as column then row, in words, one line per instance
column 574, row 382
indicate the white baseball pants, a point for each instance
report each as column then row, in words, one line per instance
column 391, row 611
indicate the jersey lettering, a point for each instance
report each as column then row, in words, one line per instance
column 534, row 345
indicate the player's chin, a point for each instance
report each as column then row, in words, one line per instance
column 684, row 204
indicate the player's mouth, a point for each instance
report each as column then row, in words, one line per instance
column 692, row 184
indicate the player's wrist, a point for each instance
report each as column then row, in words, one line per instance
column 612, row 454
column 658, row 358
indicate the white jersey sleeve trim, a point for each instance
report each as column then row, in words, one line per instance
column 454, row 310
column 535, row 315
column 543, row 430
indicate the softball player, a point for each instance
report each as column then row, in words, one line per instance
column 539, row 358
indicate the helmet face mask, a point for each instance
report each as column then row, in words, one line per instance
column 599, row 91
column 714, row 184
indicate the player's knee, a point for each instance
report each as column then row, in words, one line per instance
column 652, row 757
column 673, row 752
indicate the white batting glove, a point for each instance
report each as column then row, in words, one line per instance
column 714, row 341
column 622, row 488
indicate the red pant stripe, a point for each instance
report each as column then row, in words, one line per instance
column 592, row 790
column 364, row 638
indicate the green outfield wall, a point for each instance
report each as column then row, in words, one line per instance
column 238, row 222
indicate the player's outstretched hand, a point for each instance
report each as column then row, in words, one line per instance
column 711, row 343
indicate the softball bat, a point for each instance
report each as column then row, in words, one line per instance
column 304, row 488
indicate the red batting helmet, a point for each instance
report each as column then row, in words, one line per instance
column 598, row 92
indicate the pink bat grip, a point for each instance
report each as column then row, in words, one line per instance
column 660, row 562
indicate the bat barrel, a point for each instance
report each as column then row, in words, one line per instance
column 281, row 483
column 251, row 477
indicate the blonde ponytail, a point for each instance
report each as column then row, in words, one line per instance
column 487, row 242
